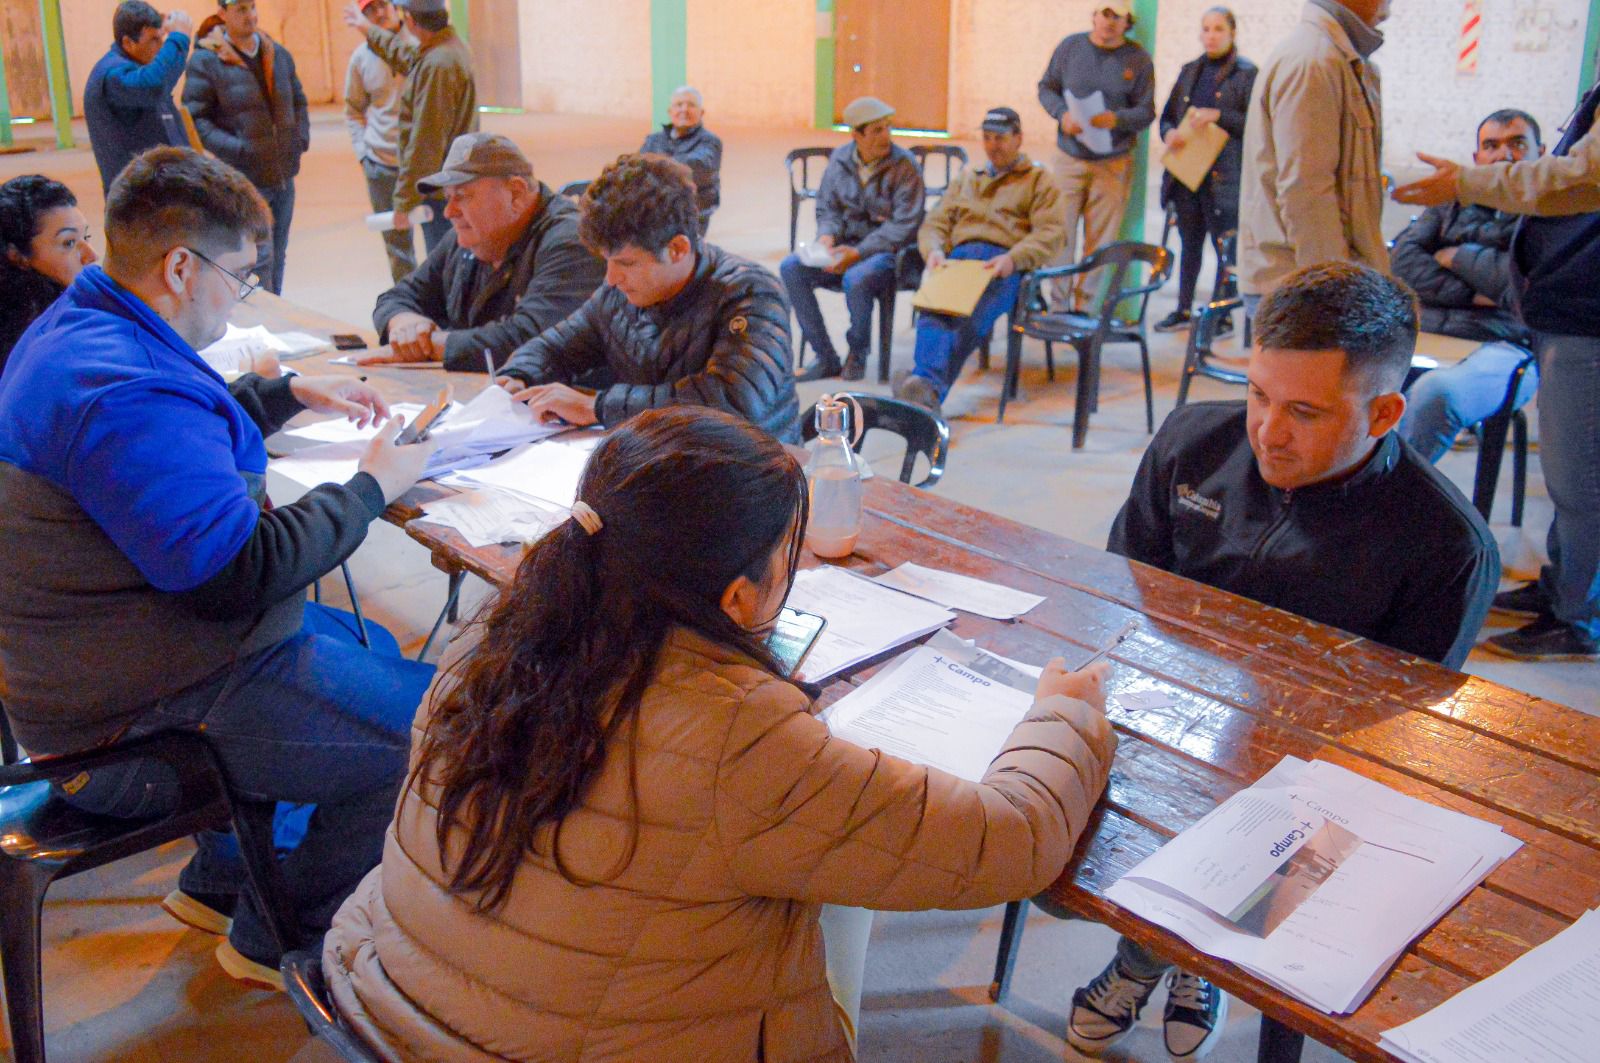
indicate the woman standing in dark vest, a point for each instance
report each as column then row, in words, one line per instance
column 1214, row 89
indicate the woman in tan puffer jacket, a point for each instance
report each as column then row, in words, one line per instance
column 622, row 821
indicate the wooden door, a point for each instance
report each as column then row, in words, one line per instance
column 897, row 52
column 23, row 44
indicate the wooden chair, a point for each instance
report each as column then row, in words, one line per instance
column 800, row 186
column 303, row 981
column 925, row 432
column 1089, row 333
column 43, row 838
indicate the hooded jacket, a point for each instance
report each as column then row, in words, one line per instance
column 880, row 215
column 1392, row 552
column 260, row 134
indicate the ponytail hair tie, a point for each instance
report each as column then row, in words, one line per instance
column 586, row 517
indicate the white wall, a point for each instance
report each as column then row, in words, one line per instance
column 753, row 60
column 586, row 56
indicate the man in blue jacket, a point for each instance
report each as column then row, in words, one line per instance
column 150, row 586
column 127, row 101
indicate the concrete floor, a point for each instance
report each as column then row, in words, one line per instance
column 123, row 982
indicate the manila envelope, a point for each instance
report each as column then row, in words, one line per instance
column 953, row 288
column 1192, row 163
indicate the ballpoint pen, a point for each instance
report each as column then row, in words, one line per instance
column 1116, row 640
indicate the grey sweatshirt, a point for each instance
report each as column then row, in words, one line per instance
column 1124, row 73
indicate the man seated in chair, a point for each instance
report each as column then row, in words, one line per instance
column 511, row 267
column 686, row 138
column 678, row 321
column 148, row 585
column 869, row 205
column 1009, row 215
column 1303, row 498
column 1458, row 258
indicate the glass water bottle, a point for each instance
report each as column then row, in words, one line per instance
column 834, row 476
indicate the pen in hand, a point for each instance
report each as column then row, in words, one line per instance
column 488, row 363
column 1116, row 640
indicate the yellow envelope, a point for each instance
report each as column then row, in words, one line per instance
column 953, row 288
column 1192, row 163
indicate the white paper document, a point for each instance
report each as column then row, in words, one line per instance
column 1082, row 109
column 488, row 516
column 1314, row 879
column 548, row 472
column 864, row 619
column 233, row 351
column 1543, row 1008
column 956, row 591
column 947, row 704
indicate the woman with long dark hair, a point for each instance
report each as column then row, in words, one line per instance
column 44, row 245
column 1213, row 89
column 622, row 820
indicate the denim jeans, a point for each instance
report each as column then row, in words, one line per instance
column 862, row 284
column 1569, row 440
column 316, row 719
column 945, row 342
column 437, row 229
column 271, row 253
column 1444, row 401
column 398, row 244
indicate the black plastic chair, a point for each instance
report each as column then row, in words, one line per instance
column 1089, row 333
column 1197, row 355
column 800, row 186
column 43, row 838
column 1224, row 285
column 573, row 189
column 907, row 278
column 1491, row 433
column 954, row 157
column 925, row 432
column 302, row 980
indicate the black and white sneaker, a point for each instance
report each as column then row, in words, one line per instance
column 1105, row 1010
column 1196, row 1012
column 1176, row 321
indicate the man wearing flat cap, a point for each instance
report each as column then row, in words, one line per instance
column 511, row 267
column 868, row 207
column 1008, row 215
column 1094, row 165
column 438, row 102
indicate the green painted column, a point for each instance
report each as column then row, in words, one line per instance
column 55, row 61
column 5, row 106
column 1591, row 44
column 669, row 53
column 823, row 117
column 1144, row 13
column 461, row 19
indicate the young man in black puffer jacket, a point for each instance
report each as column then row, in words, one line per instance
column 678, row 321
column 1458, row 260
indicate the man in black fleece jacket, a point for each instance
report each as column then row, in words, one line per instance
column 677, row 321
column 1303, row 498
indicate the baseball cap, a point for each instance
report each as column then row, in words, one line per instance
column 1002, row 120
column 424, row 7
column 475, row 155
column 865, row 109
column 367, row 3
column 1116, row 7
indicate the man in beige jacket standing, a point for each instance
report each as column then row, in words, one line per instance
column 1313, row 149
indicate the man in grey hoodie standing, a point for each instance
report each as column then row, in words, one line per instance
column 372, row 115
column 1094, row 169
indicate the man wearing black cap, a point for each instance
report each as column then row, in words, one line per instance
column 512, row 267
column 438, row 103
column 1011, row 216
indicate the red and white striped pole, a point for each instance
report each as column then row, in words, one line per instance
column 1471, row 34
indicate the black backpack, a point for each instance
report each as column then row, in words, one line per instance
column 1555, row 262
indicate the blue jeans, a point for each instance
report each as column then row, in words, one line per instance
column 437, row 229
column 862, row 284
column 1444, row 401
column 316, row 719
column 1569, row 441
column 271, row 253
column 945, row 342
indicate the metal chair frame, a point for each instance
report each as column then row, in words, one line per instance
column 303, row 981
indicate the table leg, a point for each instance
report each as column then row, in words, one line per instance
column 1278, row 1044
column 1005, row 961
column 457, row 577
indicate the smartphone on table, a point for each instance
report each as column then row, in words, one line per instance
column 417, row 430
column 793, row 636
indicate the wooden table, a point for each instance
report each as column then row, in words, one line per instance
column 1252, row 685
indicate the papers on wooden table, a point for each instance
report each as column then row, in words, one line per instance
column 954, row 287
column 1192, row 163
column 1315, row 879
column 1543, row 1008
column 488, row 516
column 956, row 591
column 233, row 352
column 864, row 619
column 947, row 704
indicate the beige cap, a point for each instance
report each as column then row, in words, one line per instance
column 1117, row 8
column 475, row 155
column 865, row 109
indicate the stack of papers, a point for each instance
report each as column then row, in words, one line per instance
column 1083, row 109
column 519, row 497
column 956, row 591
column 1544, row 1008
column 864, row 619
column 232, row 353
column 1315, row 879
column 947, row 704
column 487, row 517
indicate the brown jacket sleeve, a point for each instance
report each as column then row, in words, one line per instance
column 803, row 815
column 1047, row 214
column 1552, row 185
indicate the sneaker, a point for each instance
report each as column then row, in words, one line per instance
column 1105, row 1010
column 855, row 366
column 257, row 974
column 210, row 913
column 821, row 369
column 1527, row 601
column 1196, row 1012
column 1546, row 639
column 917, row 390
column 1176, row 321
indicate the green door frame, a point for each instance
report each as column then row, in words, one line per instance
column 669, row 53
column 822, row 117
column 460, row 19
column 5, row 106
column 55, row 63
column 1133, row 227
column 1591, row 44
